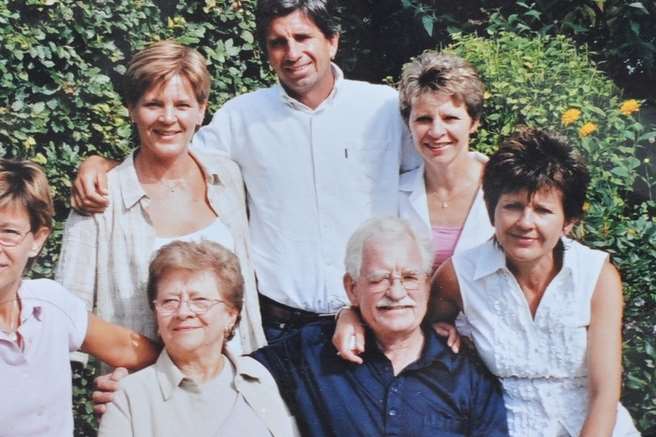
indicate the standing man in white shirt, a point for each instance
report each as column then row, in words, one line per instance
column 319, row 155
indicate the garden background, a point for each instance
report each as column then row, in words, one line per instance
column 582, row 68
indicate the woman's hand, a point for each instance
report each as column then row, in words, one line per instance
column 349, row 335
column 106, row 385
column 89, row 194
column 449, row 331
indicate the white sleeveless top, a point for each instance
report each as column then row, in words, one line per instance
column 541, row 362
column 218, row 232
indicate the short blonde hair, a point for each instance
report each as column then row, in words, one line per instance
column 25, row 183
column 158, row 63
column 434, row 72
column 204, row 256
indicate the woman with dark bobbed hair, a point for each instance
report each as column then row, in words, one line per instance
column 545, row 311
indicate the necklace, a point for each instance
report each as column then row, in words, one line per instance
column 444, row 203
column 172, row 185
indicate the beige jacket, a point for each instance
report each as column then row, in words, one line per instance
column 160, row 401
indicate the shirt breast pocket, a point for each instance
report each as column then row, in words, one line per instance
column 376, row 163
column 436, row 424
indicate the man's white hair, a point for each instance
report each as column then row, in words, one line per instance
column 379, row 228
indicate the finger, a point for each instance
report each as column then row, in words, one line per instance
column 119, row 373
column 101, row 184
column 350, row 356
column 99, row 409
column 359, row 341
column 102, row 397
column 456, row 345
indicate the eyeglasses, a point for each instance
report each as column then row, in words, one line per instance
column 11, row 237
column 410, row 281
column 197, row 305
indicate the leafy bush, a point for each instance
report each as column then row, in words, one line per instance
column 60, row 68
column 545, row 81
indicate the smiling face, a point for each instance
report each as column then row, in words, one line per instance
column 185, row 334
column 15, row 225
column 440, row 127
column 166, row 117
column 528, row 228
column 394, row 310
column 300, row 55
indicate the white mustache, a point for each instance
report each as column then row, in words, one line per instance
column 388, row 303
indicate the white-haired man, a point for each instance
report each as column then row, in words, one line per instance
column 410, row 383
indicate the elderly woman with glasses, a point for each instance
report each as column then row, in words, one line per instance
column 197, row 386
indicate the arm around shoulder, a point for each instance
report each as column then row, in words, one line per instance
column 445, row 297
column 118, row 346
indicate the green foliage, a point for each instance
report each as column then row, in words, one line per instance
column 545, row 81
column 61, row 63
column 621, row 32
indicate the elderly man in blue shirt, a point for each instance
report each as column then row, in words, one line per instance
column 410, row 383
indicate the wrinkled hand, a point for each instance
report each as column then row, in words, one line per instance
column 106, row 385
column 89, row 195
column 449, row 331
column 349, row 336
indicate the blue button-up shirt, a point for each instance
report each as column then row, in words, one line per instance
column 440, row 394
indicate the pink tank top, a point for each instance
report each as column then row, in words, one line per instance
column 445, row 239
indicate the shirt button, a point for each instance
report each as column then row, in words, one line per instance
column 392, row 413
column 395, row 390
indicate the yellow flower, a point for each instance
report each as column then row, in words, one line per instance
column 587, row 129
column 570, row 116
column 40, row 159
column 29, row 143
column 630, row 106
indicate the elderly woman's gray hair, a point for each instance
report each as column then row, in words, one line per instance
column 379, row 228
column 434, row 72
column 204, row 256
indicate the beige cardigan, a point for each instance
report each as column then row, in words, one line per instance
column 104, row 258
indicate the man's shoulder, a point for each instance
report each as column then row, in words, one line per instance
column 308, row 342
column 247, row 100
column 371, row 90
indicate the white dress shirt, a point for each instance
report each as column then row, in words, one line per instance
column 312, row 177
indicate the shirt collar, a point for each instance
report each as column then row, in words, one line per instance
column 413, row 180
column 132, row 191
column 491, row 259
column 433, row 351
column 170, row 377
column 290, row 101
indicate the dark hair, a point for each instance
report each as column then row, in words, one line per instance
column 322, row 12
column 531, row 160
column 204, row 256
column 437, row 72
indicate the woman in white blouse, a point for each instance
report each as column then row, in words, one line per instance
column 161, row 192
column 545, row 311
column 197, row 387
column 441, row 98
